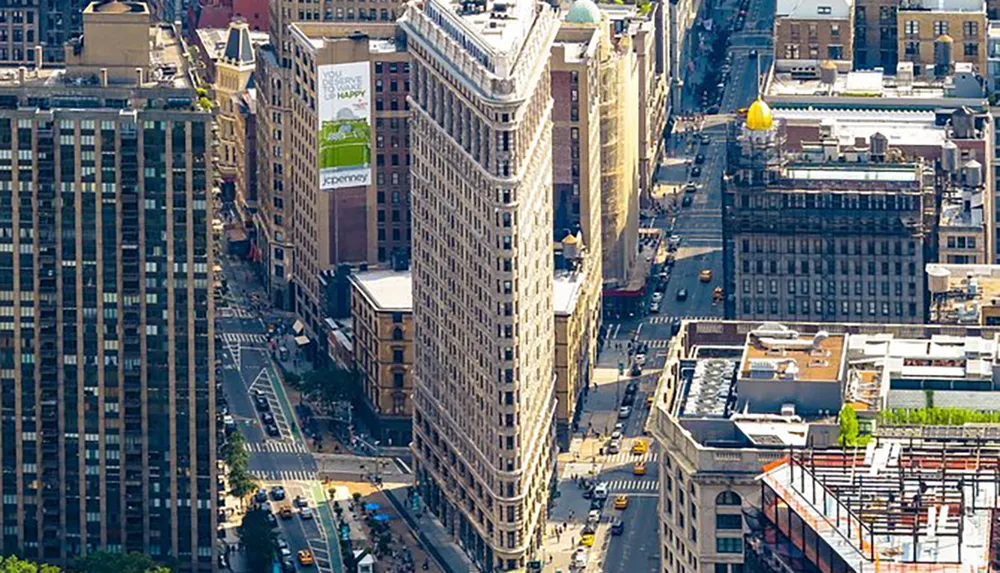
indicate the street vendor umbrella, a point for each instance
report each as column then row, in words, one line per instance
column 381, row 517
column 372, row 506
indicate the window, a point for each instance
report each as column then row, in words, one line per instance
column 729, row 521
column 397, row 333
column 728, row 497
column 397, row 355
column 940, row 27
column 970, row 29
column 823, row 10
column 971, row 49
column 912, row 28
column 729, row 545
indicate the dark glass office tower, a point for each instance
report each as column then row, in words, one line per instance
column 107, row 434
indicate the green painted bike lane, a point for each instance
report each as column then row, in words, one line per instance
column 322, row 506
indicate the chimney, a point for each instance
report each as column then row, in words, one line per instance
column 104, row 77
column 38, row 58
column 21, row 72
column 138, row 76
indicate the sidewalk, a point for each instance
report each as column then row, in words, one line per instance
column 429, row 531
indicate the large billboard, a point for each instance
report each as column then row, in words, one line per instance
column 345, row 154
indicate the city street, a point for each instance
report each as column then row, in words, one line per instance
column 247, row 370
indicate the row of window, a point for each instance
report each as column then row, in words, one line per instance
column 804, row 268
column 803, row 287
column 773, row 307
column 830, row 247
column 970, row 29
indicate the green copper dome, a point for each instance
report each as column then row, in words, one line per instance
column 584, row 12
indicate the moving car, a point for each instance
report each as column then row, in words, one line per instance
column 587, row 537
column 649, row 401
column 601, row 491
column 285, row 513
column 287, row 566
column 614, row 446
column 696, row 171
column 628, row 399
column 272, row 520
column 306, row 558
column 639, row 447
column 617, row 527
column 272, row 430
column 594, row 516
column 277, row 493
column 675, row 326
column 580, row 558
column 705, row 275
column 639, row 469
column 306, row 513
column 686, row 201
column 655, row 307
column 657, row 296
column 640, row 359
column 261, row 402
column 621, row 502
column 690, row 188
column 705, row 139
column 624, row 412
column 699, row 159
column 260, row 496
column 301, row 501
column 682, row 294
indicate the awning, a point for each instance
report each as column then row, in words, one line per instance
column 298, row 326
column 301, row 340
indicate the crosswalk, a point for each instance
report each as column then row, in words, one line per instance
column 666, row 319
column 243, row 338
column 288, row 475
column 658, row 343
column 277, row 446
column 631, row 485
column 234, row 312
column 626, row 457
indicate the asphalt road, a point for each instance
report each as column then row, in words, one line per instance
column 700, row 228
column 284, row 460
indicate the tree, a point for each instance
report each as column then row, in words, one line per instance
column 13, row 564
column 105, row 562
column 848, row 426
column 258, row 538
column 241, row 484
column 234, row 451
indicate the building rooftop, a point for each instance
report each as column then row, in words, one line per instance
column 875, row 89
column 566, row 291
column 894, row 505
column 775, row 352
column 963, row 294
column 944, row 5
column 484, row 27
column 381, row 36
column 900, row 128
column 387, row 290
column 814, row 9
column 214, row 40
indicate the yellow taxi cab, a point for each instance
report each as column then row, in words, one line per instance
column 587, row 538
column 705, row 275
column 285, row 512
column 649, row 401
column 639, row 469
column 639, row 447
column 621, row 502
column 306, row 557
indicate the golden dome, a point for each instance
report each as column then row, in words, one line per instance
column 759, row 116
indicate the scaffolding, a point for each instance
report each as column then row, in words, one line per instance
column 918, row 505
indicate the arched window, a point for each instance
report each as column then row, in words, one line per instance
column 397, row 333
column 728, row 497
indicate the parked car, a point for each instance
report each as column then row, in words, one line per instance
column 682, row 294
column 301, row 501
column 273, row 431
column 306, row 513
column 699, row 159
column 260, row 496
column 696, row 171
column 624, row 412
column 655, row 307
column 628, row 399
column 617, row 527
column 686, row 201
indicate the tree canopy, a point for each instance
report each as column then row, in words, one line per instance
column 258, row 538
column 95, row 562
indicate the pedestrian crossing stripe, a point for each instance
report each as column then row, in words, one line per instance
column 665, row 319
column 627, row 457
column 658, row 343
column 235, row 311
column 277, row 446
column 290, row 475
column 243, row 337
column 627, row 485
